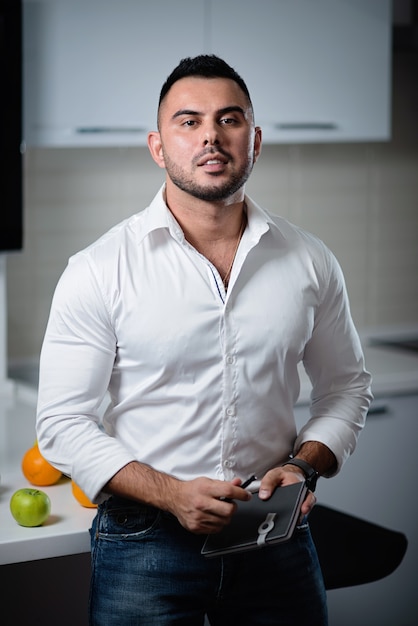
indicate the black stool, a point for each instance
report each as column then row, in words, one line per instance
column 352, row 551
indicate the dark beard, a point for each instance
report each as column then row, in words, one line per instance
column 208, row 193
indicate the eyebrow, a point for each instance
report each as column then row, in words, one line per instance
column 230, row 109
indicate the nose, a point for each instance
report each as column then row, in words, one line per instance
column 211, row 134
column 208, row 142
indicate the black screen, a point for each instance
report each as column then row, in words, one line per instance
column 11, row 213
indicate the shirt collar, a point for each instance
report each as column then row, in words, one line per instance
column 157, row 215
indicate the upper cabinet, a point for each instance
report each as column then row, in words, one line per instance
column 93, row 69
column 317, row 70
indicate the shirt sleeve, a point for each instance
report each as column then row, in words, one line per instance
column 334, row 362
column 76, row 362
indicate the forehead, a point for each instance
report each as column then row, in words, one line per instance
column 201, row 94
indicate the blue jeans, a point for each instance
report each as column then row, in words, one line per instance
column 147, row 570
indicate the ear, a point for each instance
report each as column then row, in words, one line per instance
column 155, row 147
column 257, row 142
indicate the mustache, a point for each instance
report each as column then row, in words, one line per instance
column 212, row 150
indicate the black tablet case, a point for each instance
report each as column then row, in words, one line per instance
column 259, row 523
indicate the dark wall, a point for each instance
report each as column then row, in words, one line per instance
column 11, row 214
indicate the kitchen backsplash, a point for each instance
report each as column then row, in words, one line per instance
column 360, row 198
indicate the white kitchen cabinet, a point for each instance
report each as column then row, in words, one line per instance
column 93, row 69
column 317, row 70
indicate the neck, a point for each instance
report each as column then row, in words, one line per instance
column 205, row 223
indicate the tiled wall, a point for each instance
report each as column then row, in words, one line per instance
column 361, row 199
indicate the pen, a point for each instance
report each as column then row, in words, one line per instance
column 245, row 484
column 248, row 482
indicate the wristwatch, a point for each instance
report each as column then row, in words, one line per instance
column 311, row 474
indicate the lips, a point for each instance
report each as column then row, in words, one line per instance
column 212, row 159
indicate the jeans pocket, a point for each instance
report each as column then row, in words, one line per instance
column 123, row 519
column 303, row 525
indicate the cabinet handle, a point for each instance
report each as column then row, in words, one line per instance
column 96, row 130
column 307, row 126
column 378, row 408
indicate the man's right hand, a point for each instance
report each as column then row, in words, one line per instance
column 204, row 505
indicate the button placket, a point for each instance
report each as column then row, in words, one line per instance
column 229, row 396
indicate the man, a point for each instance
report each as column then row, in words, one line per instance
column 194, row 315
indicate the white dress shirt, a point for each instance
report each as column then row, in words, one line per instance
column 202, row 382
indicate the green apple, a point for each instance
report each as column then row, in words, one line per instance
column 30, row 507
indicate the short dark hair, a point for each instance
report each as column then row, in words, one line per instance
column 206, row 65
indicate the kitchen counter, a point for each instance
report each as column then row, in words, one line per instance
column 393, row 372
column 66, row 531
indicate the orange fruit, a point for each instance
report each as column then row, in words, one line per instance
column 81, row 497
column 37, row 470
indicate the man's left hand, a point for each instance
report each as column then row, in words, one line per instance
column 282, row 476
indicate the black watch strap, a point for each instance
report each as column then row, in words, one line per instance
column 311, row 474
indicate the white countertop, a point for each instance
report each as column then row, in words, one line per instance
column 66, row 530
column 393, row 372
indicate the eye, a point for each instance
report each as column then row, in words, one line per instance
column 228, row 121
column 189, row 123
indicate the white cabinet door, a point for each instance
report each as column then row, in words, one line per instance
column 316, row 69
column 93, row 68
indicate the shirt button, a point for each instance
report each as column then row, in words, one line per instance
column 228, row 464
column 230, row 411
column 230, row 359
